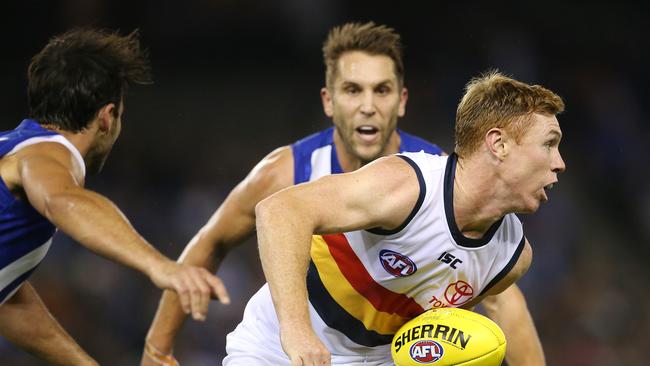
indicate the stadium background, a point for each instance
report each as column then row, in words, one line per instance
column 235, row 79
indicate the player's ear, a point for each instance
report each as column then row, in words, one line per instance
column 106, row 117
column 326, row 98
column 496, row 141
column 403, row 98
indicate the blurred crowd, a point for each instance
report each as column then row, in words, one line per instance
column 236, row 79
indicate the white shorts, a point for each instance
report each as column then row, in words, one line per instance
column 256, row 340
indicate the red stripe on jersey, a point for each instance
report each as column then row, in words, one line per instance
column 355, row 272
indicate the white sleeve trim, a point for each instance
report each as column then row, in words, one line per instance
column 53, row 138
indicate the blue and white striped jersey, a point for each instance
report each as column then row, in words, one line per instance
column 25, row 235
column 315, row 155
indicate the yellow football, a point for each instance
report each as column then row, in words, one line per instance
column 449, row 336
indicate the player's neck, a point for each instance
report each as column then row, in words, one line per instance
column 477, row 203
column 81, row 140
column 349, row 162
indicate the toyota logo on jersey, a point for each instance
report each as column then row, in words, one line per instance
column 426, row 351
column 397, row 264
column 458, row 293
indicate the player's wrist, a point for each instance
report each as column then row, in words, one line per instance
column 160, row 356
column 158, row 268
column 161, row 343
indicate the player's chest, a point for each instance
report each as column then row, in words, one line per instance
column 435, row 274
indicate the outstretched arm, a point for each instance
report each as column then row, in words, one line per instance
column 381, row 194
column 46, row 174
column 509, row 310
column 230, row 225
column 26, row 322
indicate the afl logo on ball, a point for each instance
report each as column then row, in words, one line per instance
column 426, row 351
column 397, row 264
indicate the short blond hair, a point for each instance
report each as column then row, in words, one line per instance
column 493, row 100
column 366, row 37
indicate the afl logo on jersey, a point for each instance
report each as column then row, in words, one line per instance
column 397, row 264
column 426, row 351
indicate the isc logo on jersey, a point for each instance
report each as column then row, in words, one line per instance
column 397, row 264
column 426, row 351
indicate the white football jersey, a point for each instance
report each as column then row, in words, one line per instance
column 364, row 285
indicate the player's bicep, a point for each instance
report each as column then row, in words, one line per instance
column 380, row 195
column 235, row 218
column 270, row 175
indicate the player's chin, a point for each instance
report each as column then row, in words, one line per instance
column 530, row 206
column 368, row 153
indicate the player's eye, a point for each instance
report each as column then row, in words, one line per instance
column 352, row 90
column 383, row 90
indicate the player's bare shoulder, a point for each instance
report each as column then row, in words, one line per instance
column 14, row 168
column 273, row 173
column 396, row 167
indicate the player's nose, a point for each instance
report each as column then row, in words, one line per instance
column 558, row 163
column 367, row 107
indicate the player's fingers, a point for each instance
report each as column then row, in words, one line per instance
column 218, row 288
column 183, row 296
column 306, row 359
column 322, row 359
column 327, row 361
column 319, row 356
column 296, row 361
column 200, row 295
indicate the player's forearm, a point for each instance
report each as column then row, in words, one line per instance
column 284, row 243
column 96, row 223
column 167, row 322
column 510, row 312
column 170, row 317
column 26, row 322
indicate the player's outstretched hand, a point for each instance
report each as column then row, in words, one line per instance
column 304, row 348
column 195, row 286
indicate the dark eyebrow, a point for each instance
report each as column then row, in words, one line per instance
column 557, row 134
column 346, row 83
column 376, row 85
column 384, row 82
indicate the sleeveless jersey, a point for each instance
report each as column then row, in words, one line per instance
column 363, row 285
column 25, row 235
column 315, row 155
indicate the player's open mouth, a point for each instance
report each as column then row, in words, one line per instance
column 368, row 133
column 547, row 188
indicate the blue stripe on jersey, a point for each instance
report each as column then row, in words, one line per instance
column 410, row 143
column 26, row 129
column 303, row 150
column 21, row 236
column 22, row 228
column 336, row 317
